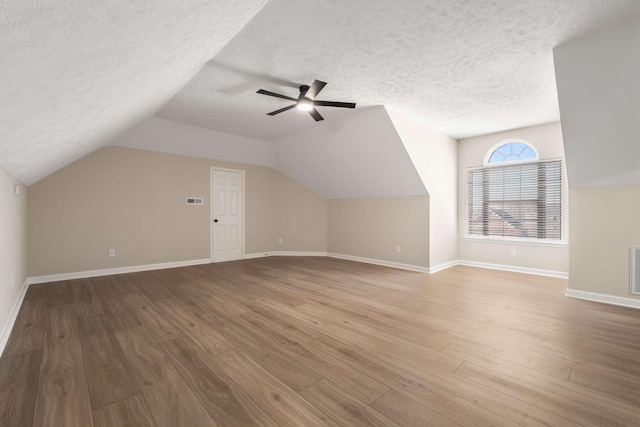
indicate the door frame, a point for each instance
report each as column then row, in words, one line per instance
column 212, row 197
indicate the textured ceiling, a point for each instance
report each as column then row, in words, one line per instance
column 74, row 73
column 601, row 125
column 166, row 136
column 462, row 67
column 358, row 157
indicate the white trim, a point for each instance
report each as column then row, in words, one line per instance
column 514, row 269
column 607, row 299
column 283, row 253
column 420, row 269
column 516, row 241
column 116, row 270
column 244, row 209
column 634, row 288
column 516, row 163
column 161, row 266
column 380, row 262
column 260, row 255
column 6, row 332
column 443, row 266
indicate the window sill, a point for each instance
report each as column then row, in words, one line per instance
column 512, row 241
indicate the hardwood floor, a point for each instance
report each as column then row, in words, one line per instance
column 318, row 341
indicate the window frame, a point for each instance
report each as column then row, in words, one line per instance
column 513, row 239
column 497, row 146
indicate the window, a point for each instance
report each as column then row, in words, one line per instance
column 515, row 195
column 512, row 152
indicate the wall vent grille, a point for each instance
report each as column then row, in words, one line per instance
column 195, row 201
column 634, row 270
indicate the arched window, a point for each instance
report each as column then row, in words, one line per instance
column 511, row 150
column 515, row 194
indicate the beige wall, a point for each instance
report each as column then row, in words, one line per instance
column 604, row 224
column 13, row 248
column 600, row 130
column 301, row 219
column 372, row 228
column 547, row 139
column 434, row 156
column 134, row 201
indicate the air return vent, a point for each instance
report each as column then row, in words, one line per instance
column 195, row 201
column 634, row 270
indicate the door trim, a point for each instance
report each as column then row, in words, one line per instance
column 212, row 197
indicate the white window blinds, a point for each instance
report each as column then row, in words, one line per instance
column 522, row 200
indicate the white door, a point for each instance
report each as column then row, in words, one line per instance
column 227, row 215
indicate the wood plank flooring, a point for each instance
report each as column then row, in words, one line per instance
column 318, row 341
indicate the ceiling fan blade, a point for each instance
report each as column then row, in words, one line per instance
column 282, row 110
column 277, row 95
column 314, row 113
column 315, row 89
column 334, row 104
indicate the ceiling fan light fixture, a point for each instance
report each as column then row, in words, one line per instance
column 307, row 100
column 304, row 104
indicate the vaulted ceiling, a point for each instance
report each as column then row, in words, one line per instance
column 354, row 157
column 72, row 76
column 464, row 68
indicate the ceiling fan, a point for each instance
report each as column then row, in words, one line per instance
column 306, row 100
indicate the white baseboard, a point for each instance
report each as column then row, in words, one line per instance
column 536, row 271
column 254, row 256
column 160, row 266
column 283, row 253
column 607, row 299
column 4, row 338
column 443, row 266
column 384, row 263
column 116, row 270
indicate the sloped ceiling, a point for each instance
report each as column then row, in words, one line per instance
column 165, row 136
column 73, row 74
column 599, row 89
column 462, row 68
column 356, row 157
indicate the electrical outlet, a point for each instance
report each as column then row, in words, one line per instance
column 513, row 252
column 398, row 249
column 112, row 252
column 280, row 241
